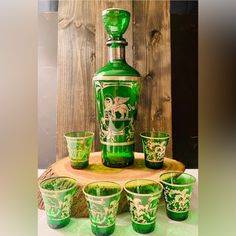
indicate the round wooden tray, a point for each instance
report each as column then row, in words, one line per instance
column 97, row 171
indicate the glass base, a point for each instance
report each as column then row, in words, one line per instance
column 153, row 165
column 177, row 216
column 79, row 165
column 103, row 231
column 143, row 229
column 57, row 224
column 118, row 164
column 117, row 156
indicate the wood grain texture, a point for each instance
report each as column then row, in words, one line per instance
column 98, row 172
column 76, row 66
column 82, row 50
column 151, row 34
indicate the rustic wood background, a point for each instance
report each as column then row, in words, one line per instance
column 82, row 50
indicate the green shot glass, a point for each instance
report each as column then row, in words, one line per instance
column 143, row 195
column 154, row 148
column 177, row 193
column 58, row 194
column 102, row 200
column 79, row 146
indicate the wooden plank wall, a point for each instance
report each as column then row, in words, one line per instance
column 82, row 50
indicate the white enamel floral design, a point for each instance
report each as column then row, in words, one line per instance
column 143, row 214
column 79, row 150
column 102, row 215
column 57, row 207
column 177, row 200
column 155, row 151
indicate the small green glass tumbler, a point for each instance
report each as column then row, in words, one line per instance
column 79, row 146
column 154, row 148
column 58, row 194
column 177, row 193
column 143, row 196
column 102, row 200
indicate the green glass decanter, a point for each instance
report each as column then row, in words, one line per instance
column 117, row 89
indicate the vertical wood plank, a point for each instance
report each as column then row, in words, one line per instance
column 152, row 59
column 76, row 66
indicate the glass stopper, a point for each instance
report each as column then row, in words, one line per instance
column 116, row 22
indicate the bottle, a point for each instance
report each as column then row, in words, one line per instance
column 117, row 89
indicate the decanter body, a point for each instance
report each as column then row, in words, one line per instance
column 117, row 89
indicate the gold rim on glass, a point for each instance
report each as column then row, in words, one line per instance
column 84, row 134
column 97, row 182
column 74, row 182
column 144, row 135
column 177, row 185
column 144, row 194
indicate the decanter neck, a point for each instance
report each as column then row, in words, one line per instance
column 116, row 53
column 116, row 49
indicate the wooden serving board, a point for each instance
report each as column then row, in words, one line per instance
column 96, row 171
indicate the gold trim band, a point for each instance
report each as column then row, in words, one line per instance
column 102, row 226
column 142, row 223
column 59, row 219
column 117, row 78
column 155, row 161
column 117, row 144
column 77, row 161
column 177, row 211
